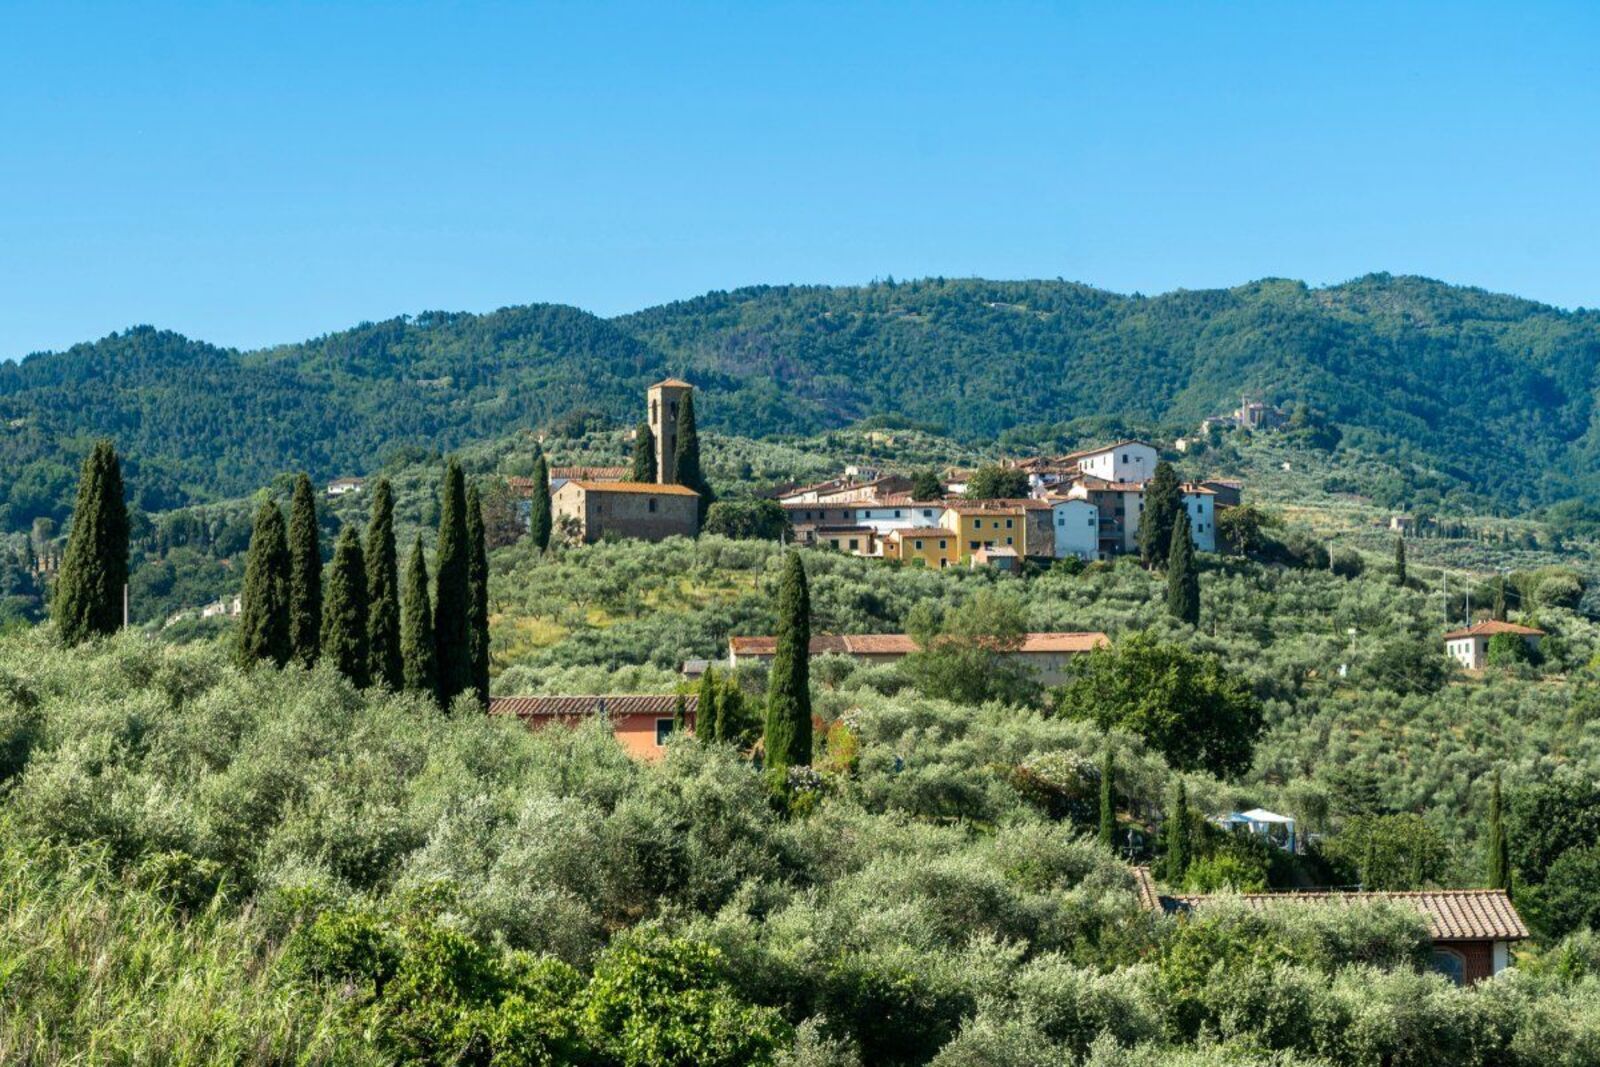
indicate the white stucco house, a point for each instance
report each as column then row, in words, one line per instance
column 1470, row 647
column 1077, row 528
column 1201, row 504
column 1125, row 461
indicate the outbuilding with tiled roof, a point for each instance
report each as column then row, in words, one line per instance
column 641, row 723
column 1470, row 646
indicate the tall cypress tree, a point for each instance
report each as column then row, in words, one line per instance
column 730, row 709
column 686, row 456
column 1183, row 578
column 1163, row 500
column 539, row 504
column 452, row 597
column 416, row 627
column 1178, row 836
column 264, row 599
column 344, row 611
column 1500, row 598
column 94, row 571
column 478, row 596
column 384, row 665
column 1399, row 561
column 705, row 714
column 1499, row 858
column 680, row 715
column 305, row 573
column 644, row 455
column 1108, row 797
column 788, row 726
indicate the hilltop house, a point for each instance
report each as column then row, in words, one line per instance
column 1125, row 461
column 641, row 724
column 1047, row 654
column 1470, row 646
column 644, row 510
column 1472, row 929
column 341, row 486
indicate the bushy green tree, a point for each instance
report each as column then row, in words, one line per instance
column 264, row 598
column 1507, row 650
column 343, row 641
column 787, row 739
column 385, row 665
column 539, row 517
column 994, row 482
column 478, row 597
column 1390, row 852
column 1163, row 502
column 305, row 573
column 925, row 485
column 1187, row 705
column 749, row 520
column 88, row 599
column 417, row 650
column 1183, row 576
column 970, row 655
column 452, row 597
column 643, row 466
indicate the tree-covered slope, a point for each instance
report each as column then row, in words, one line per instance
column 1487, row 388
column 1491, row 392
column 197, row 421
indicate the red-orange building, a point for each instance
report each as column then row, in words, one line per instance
column 640, row 723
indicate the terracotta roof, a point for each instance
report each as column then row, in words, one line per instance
column 650, row 488
column 920, row 531
column 588, row 474
column 676, row 383
column 1101, row 485
column 903, row 645
column 1073, row 457
column 573, row 706
column 1196, row 489
column 817, row 505
column 1452, row 914
column 1490, row 627
column 1065, row 641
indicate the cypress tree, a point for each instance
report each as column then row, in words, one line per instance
column 644, row 455
column 478, row 596
column 264, row 599
column 305, row 573
column 344, row 611
column 384, row 665
column 1500, row 598
column 1178, row 836
column 706, row 725
column 539, row 504
column 686, row 456
column 1499, row 859
column 416, row 627
column 1163, row 501
column 1108, row 801
column 787, row 738
column 680, row 715
column 730, row 709
column 1183, row 579
column 1400, row 561
column 94, row 571
column 452, row 598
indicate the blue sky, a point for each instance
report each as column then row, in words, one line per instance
column 252, row 174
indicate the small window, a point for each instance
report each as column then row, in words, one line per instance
column 897, row 513
column 941, row 544
column 918, row 545
column 1451, row 964
column 663, row 731
column 854, row 544
column 975, row 546
column 1008, row 524
column 652, row 503
column 1008, row 540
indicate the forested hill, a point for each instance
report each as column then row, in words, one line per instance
column 1489, row 391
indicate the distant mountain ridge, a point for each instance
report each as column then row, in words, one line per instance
column 1491, row 391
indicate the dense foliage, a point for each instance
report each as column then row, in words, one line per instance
column 1395, row 361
